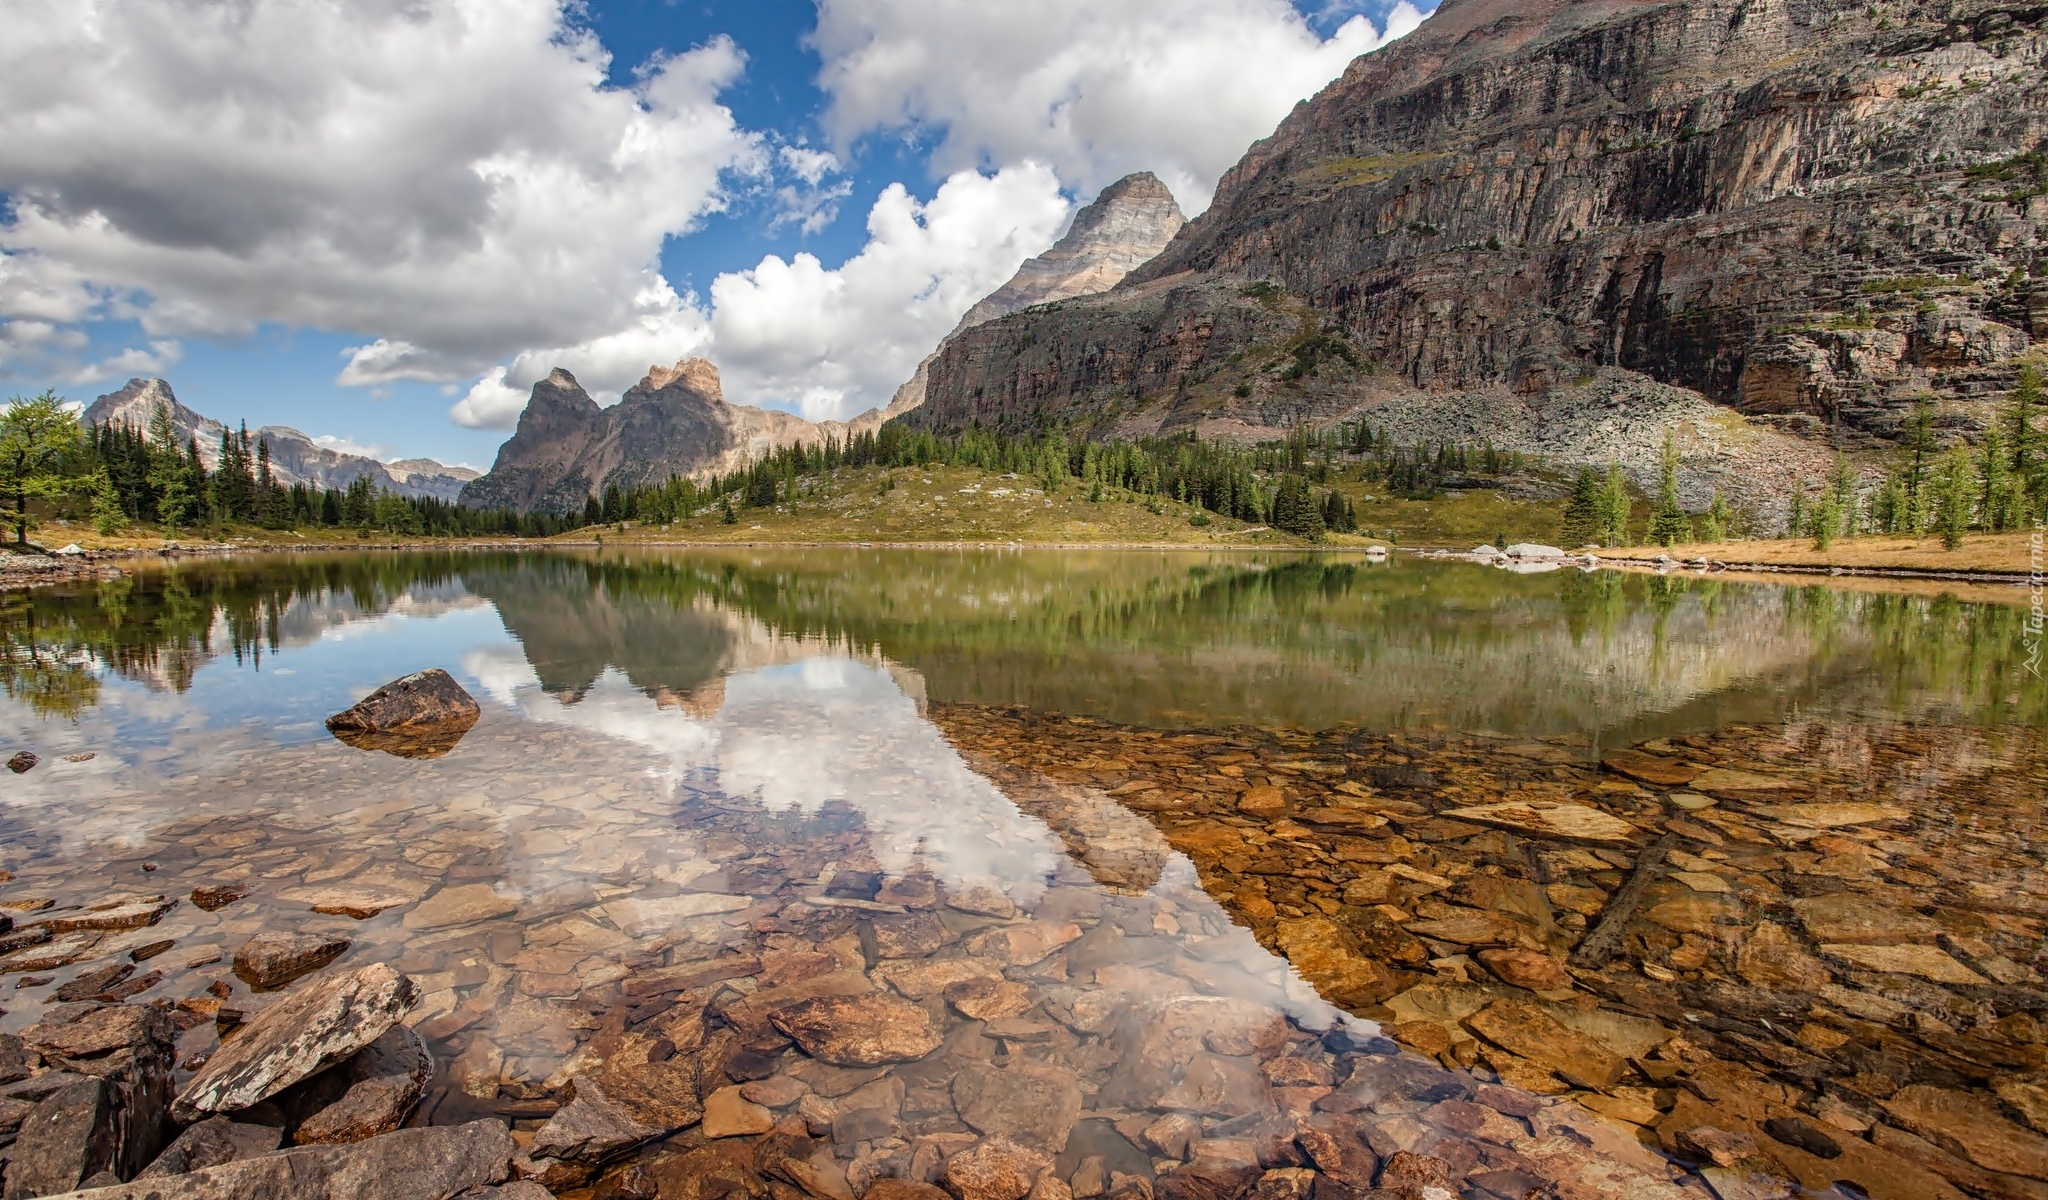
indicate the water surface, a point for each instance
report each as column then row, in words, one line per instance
column 1139, row 787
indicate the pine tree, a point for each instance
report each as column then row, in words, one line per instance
column 1919, row 451
column 1842, row 495
column 1614, row 508
column 1713, row 524
column 2029, row 456
column 1795, row 510
column 1582, row 512
column 106, row 504
column 1955, row 490
column 1668, row 521
column 1993, row 497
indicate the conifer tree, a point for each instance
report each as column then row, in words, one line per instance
column 1955, row 490
column 1668, row 522
column 1582, row 512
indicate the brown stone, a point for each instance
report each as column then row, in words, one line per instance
column 1525, row 1030
column 424, row 700
column 1970, row 1126
column 1338, row 1149
column 995, row 1169
column 1262, row 802
column 858, row 1031
column 1322, row 952
column 1530, row 969
column 431, row 1163
column 985, row 1000
column 1033, row 1105
column 464, row 905
column 217, row 896
column 271, row 960
column 728, row 1113
column 617, row 1108
column 211, row 1143
column 382, row 1083
column 320, row 1024
column 1651, row 768
column 126, row 914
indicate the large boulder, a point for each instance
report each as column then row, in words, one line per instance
column 422, row 715
column 308, row 1031
column 129, row 1050
column 72, row 1135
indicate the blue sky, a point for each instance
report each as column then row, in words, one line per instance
column 305, row 240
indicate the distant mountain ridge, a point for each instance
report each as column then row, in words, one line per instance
column 294, row 457
column 674, row 422
column 677, row 422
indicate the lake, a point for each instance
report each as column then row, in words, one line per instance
column 1127, row 873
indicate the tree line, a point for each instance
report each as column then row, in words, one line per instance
column 1258, row 485
column 113, row 475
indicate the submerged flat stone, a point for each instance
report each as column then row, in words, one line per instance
column 1926, row 962
column 859, row 1031
column 1651, row 768
column 1561, row 820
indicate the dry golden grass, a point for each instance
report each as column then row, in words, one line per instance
column 1981, row 552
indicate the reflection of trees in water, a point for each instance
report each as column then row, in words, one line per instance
column 39, row 668
column 1297, row 638
column 159, row 627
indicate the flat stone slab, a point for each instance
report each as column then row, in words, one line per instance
column 359, row 899
column 464, row 905
column 430, row 1163
column 126, row 914
column 1720, row 781
column 309, row 1030
column 859, row 1031
column 639, row 918
column 271, row 960
column 1547, row 819
column 1837, row 815
column 384, row 1080
column 1926, row 962
column 1651, row 768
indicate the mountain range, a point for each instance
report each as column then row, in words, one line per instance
column 294, row 457
column 677, row 422
column 1566, row 226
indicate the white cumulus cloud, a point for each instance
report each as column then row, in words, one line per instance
column 455, row 180
column 1097, row 90
column 830, row 342
column 793, row 333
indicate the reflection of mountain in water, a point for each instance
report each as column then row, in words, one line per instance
column 1141, row 638
column 575, row 619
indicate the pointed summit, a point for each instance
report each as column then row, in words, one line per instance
column 1128, row 223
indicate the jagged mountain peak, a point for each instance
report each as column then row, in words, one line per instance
column 697, row 374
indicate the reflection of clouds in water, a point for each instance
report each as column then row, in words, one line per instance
column 833, row 729
column 798, row 736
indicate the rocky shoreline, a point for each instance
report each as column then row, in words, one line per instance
column 1784, row 958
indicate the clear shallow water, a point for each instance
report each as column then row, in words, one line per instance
column 744, row 758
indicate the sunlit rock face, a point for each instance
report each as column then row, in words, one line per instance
column 1123, row 228
column 1524, row 220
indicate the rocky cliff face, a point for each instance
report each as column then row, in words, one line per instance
column 1128, row 223
column 294, row 457
column 675, row 422
column 1545, row 216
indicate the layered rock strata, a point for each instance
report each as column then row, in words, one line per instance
column 1525, row 217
